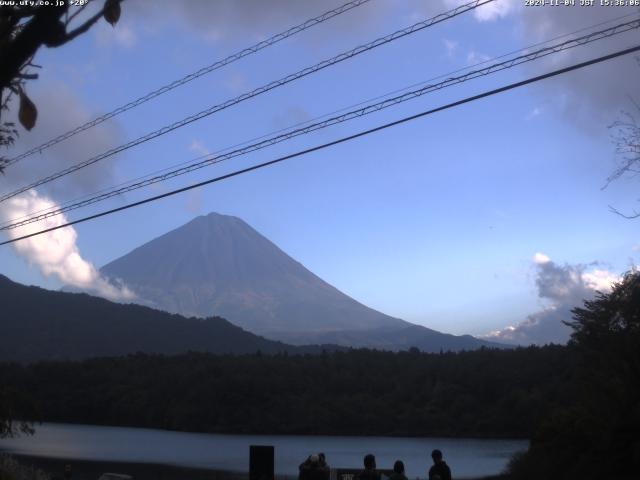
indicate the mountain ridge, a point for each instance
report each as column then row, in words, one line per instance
column 218, row 264
column 39, row 324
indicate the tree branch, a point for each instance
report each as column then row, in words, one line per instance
column 635, row 214
column 75, row 14
column 84, row 27
column 42, row 28
column 27, row 76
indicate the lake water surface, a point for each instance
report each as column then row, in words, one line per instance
column 466, row 457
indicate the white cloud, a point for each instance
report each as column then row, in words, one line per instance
column 57, row 114
column 495, row 10
column 474, row 57
column 564, row 287
column 591, row 97
column 125, row 36
column 540, row 258
column 121, row 35
column 199, row 148
column 56, row 252
column 600, row 280
column 536, row 111
column 450, row 47
column 490, row 11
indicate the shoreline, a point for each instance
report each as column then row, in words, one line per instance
column 292, row 434
column 92, row 469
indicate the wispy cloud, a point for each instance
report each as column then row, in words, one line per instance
column 536, row 111
column 474, row 57
column 122, row 35
column 450, row 47
column 248, row 19
column 198, row 148
column 291, row 116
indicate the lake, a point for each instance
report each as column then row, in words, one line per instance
column 466, row 457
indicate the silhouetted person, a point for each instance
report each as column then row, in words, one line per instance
column 398, row 471
column 324, row 466
column 303, row 467
column 311, row 469
column 369, row 472
column 440, row 470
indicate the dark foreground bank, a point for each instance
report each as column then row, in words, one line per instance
column 91, row 470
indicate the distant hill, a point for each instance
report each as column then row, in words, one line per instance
column 38, row 324
column 219, row 265
column 397, row 338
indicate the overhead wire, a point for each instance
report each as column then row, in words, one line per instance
column 314, row 119
column 416, row 27
column 323, row 146
column 192, row 76
column 366, row 110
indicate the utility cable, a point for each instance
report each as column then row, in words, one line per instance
column 312, row 120
column 368, row 109
column 246, row 96
column 192, row 76
column 300, row 153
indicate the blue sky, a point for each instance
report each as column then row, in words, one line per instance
column 436, row 221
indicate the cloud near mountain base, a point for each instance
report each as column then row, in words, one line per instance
column 565, row 287
column 56, row 253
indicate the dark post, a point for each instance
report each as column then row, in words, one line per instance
column 261, row 462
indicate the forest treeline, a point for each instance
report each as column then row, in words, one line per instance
column 497, row 393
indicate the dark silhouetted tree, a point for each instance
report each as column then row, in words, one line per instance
column 626, row 138
column 23, row 30
column 598, row 435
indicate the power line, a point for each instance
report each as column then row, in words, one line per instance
column 54, row 208
column 368, row 109
column 334, row 120
column 192, row 76
column 265, row 88
column 479, row 96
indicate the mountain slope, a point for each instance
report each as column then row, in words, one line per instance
column 219, row 265
column 38, row 324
